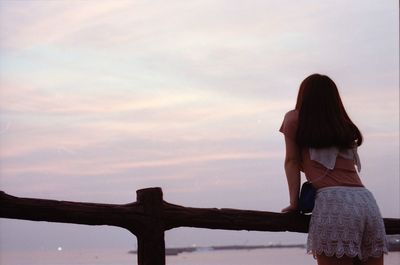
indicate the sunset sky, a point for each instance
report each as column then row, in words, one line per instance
column 101, row 98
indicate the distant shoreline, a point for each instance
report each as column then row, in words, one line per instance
column 393, row 242
column 177, row 251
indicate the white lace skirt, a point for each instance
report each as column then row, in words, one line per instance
column 346, row 221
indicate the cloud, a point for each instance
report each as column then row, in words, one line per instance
column 43, row 22
column 98, row 100
column 249, row 50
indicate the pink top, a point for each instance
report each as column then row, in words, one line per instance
column 324, row 167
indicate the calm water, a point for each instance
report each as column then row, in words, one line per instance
column 117, row 257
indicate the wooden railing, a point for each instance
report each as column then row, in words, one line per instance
column 149, row 217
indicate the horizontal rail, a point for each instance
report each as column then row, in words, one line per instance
column 173, row 215
column 149, row 217
column 233, row 219
column 71, row 212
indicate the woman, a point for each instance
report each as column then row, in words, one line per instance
column 346, row 226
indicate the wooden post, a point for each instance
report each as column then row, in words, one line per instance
column 151, row 244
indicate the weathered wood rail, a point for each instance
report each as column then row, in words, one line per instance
column 149, row 217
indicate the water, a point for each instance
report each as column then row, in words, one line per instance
column 119, row 257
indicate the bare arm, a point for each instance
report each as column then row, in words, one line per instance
column 292, row 169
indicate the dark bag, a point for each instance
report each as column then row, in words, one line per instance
column 307, row 198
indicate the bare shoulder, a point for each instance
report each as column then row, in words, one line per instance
column 292, row 116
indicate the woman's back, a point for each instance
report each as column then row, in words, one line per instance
column 341, row 172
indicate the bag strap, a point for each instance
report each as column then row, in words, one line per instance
column 356, row 159
column 319, row 178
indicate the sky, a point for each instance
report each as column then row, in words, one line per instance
column 101, row 98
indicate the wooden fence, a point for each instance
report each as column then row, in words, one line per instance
column 150, row 216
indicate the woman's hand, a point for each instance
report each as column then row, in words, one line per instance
column 290, row 208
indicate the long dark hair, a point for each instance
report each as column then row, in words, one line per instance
column 323, row 121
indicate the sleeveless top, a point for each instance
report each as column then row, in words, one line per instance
column 325, row 167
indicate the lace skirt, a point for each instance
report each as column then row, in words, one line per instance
column 346, row 221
